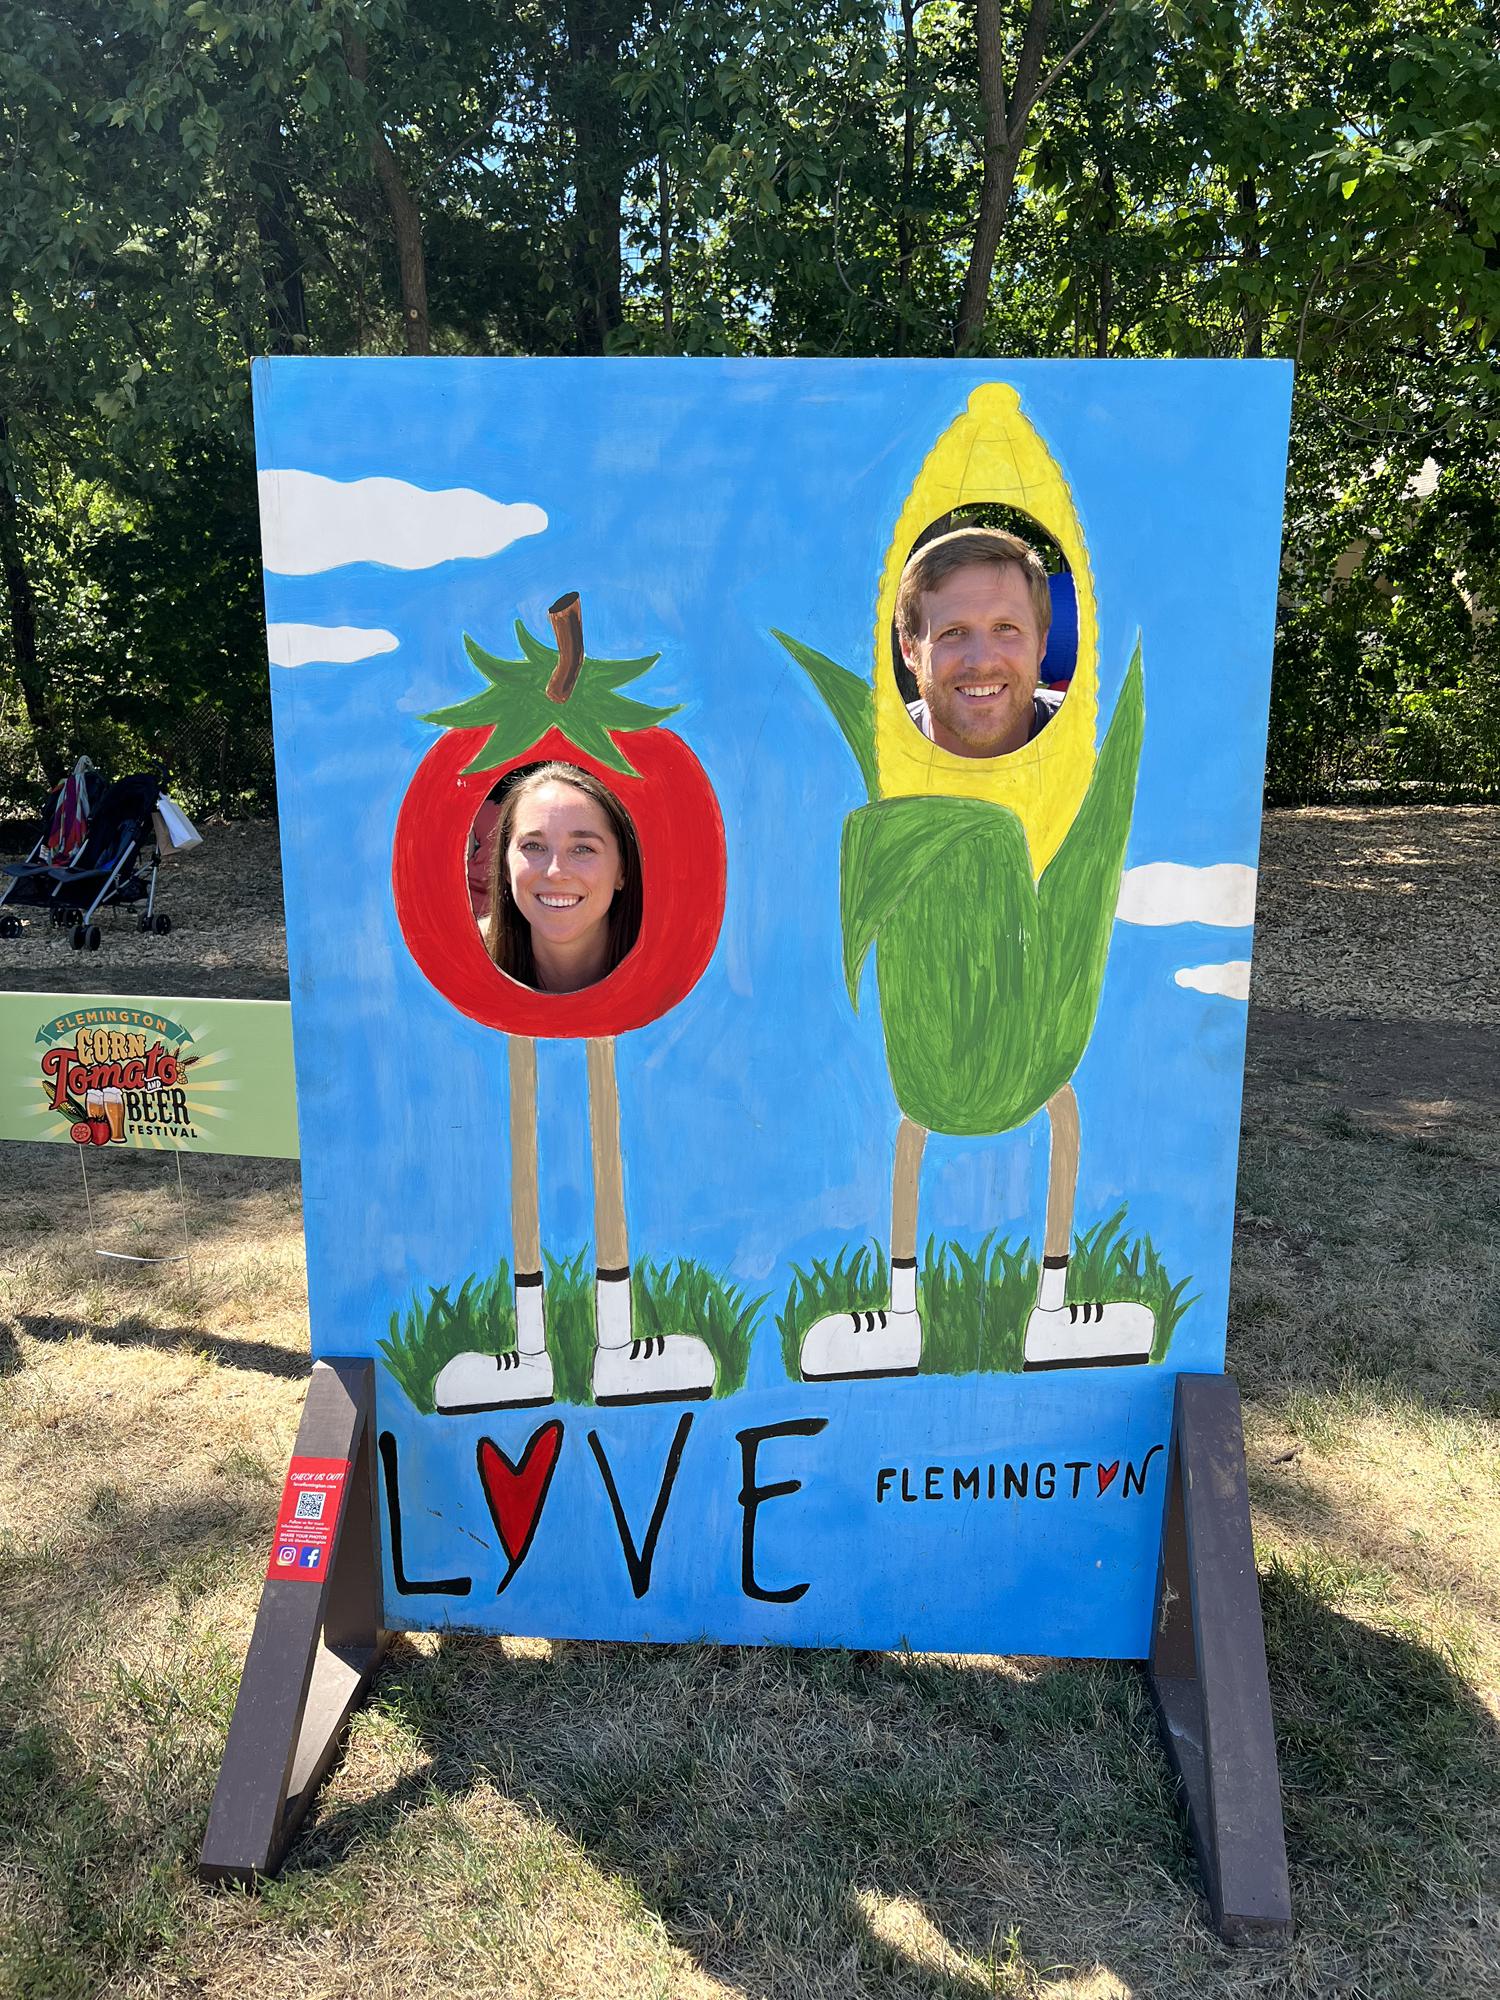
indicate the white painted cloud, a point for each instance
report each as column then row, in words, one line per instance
column 1169, row 892
column 1231, row 979
column 309, row 523
column 303, row 645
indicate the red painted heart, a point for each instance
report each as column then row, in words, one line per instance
column 1107, row 1473
column 516, row 1493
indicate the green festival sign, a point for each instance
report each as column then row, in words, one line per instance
column 190, row 1076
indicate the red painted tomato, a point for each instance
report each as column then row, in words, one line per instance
column 681, row 838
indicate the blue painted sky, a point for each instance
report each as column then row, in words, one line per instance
column 695, row 505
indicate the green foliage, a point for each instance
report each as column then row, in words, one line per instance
column 975, row 1303
column 945, row 886
column 1080, row 885
column 193, row 184
column 858, row 1280
column 1105, row 1266
column 674, row 1296
column 686, row 1297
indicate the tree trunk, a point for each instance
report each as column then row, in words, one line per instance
column 280, row 255
column 1247, row 201
column 1111, row 208
column 664, row 197
column 406, row 218
column 908, row 169
column 21, row 604
column 1004, row 136
column 591, row 105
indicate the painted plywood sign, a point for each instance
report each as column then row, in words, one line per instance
column 189, row 1076
column 769, row 859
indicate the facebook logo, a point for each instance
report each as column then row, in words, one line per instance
column 309, row 1558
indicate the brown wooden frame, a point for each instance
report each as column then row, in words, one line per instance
column 312, row 1652
column 1207, row 1669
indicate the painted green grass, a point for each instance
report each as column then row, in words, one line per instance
column 1106, row 1266
column 480, row 1320
column 677, row 1295
column 974, row 1303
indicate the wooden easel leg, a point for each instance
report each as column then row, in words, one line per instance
column 1207, row 1670
column 317, row 1640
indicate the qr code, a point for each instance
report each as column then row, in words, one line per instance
column 310, row 1506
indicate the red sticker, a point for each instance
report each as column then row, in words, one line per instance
column 311, row 1502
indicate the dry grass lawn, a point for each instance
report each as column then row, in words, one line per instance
column 554, row 1820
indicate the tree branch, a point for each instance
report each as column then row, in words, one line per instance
column 1063, row 61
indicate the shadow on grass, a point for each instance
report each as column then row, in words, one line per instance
column 824, row 1822
column 43, row 1190
column 258, row 1357
column 114, row 1545
column 1365, row 1245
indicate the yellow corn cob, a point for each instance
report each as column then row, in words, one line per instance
column 993, row 454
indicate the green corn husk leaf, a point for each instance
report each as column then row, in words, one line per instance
column 1081, row 884
column 851, row 701
column 989, row 982
column 944, row 889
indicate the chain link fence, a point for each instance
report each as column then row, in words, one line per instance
column 221, row 766
column 217, row 766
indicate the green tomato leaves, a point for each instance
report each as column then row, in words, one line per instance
column 518, row 712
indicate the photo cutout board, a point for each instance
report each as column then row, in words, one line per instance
column 780, row 1161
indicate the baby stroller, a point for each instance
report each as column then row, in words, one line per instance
column 60, row 840
column 106, row 871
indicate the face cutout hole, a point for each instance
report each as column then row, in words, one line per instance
column 554, row 876
column 967, row 685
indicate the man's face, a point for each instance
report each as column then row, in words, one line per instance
column 976, row 658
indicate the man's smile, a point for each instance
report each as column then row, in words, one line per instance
column 981, row 693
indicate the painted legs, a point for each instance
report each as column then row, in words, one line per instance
column 1059, row 1335
column 667, row 1367
column 849, row 1346
column 522, row 1377
column 670, row 1367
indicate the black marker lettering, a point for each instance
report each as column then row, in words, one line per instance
column 639, row 1562
column 752, row 1497
column 447, row 1586
column 1137, row 1480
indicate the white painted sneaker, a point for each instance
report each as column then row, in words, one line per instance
column 1089, row 1336
column 666, row 1368
column 851, row 1347
column 509, row 1381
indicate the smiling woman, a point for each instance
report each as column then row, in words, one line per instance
column 565, row 881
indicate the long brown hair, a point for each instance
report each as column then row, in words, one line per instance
column 510, row 934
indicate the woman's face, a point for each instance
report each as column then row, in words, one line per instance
column 563, row 862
